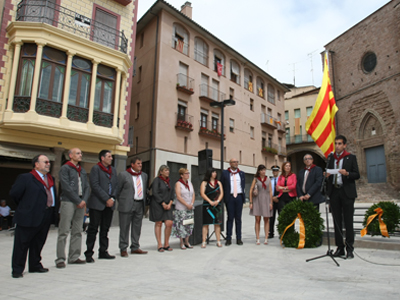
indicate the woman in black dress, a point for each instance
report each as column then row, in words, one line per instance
column 212, row 194
column 161, row 207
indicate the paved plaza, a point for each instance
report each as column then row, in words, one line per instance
column 234, row 272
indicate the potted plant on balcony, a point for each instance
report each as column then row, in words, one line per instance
column 270, row 150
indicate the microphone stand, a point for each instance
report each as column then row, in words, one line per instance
column 329, row 252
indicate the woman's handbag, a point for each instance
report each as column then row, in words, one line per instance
column 255, row 190
column 149, row 195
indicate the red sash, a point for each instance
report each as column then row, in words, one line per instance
column 77, row 168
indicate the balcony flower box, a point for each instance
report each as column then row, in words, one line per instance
column 184, row 125
column 270, row 150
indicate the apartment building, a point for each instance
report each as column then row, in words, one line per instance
column 66, row 78
column 180, row 69
column 299, row 103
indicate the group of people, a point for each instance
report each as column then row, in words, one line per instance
column 35, row 195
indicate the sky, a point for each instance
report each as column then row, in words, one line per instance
column 282, row 37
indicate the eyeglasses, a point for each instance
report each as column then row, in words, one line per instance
column 187, row 173
column 46, row 162
column 308, row 158
column 234, row 161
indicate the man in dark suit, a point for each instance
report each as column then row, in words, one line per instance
column 309, row 181
column 104, row 182
column 35, row 195
column 233, row 182
column 131, row 196
column 275, row 200
column 341, row 189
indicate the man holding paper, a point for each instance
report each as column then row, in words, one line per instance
column 342, row 173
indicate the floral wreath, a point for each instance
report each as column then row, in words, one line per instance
column 381, row 218
column 310, row 234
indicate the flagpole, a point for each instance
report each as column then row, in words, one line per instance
column 333, row 82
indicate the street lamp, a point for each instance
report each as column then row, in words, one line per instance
column 222, row 104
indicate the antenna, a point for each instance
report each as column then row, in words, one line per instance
column 310, row 55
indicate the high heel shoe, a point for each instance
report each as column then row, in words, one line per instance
column 219, row 244
column 258, row 242
column 203, row 245
column 266, row 242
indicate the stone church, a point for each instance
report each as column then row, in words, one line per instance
column 365, row 74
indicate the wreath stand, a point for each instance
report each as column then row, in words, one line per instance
column 329, row 252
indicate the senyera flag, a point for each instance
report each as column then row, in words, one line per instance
column 321, row 123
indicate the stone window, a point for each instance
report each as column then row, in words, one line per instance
column 369, row 62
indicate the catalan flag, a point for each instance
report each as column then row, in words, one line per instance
column 321, row 123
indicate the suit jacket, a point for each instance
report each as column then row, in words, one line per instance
column 30, row 196
column 313, row 184
column 291, row 184
column 126, row 191
column 99, row 182
column 349, row 182
column 69, row 180
column 226, row 184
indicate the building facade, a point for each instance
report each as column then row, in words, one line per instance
column 181, row 69
column 365, row 75
column 299, row 103
column 66, row 75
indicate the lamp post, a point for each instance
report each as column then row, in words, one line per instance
column 222, row 104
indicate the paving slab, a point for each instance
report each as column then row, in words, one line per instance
column 234, row 272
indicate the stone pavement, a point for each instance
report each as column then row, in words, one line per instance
column 234, row 272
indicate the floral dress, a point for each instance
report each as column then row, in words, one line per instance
column 182, row 213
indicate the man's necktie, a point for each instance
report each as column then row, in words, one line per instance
column 48, row 192
column 234, row 186
column 305, row 180
column 139, row 187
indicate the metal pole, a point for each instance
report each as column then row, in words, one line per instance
column 222, row 137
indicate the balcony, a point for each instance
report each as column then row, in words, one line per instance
column 208, row 130
column 281, row 150
column 180, row 45
column 268, row 121
column 184, row 122
column 210, row 94
column 68, row 20
column 298, row 139
column 280, row 126
column 270, row 149
column 184, row 84
column 248, row 85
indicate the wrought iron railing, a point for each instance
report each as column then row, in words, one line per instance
column 200, row 57
column 268, row 120
column 180, row 45
column 184, row 81
column 184, row 121
column 78, row 114
column 211, row 93
column 298, row 139
column 102, row 119
column 71, row 21
column 48, row 108
column 21, row 104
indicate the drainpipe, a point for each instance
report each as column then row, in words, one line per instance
column 152, row 149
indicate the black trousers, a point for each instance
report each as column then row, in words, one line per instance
column 32, row 239
column 343, row 210
column 275, row 207
column 98, row 218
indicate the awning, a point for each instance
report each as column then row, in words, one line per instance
column 27, row 152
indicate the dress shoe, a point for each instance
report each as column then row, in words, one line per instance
column 339, row 252
column 106, row 255
column 349, row 255
column 17, row 275
column 60, row 265
column 270, row 236
column 239, row 242
column 78, row 262
column 138, row 251
column 228, row 242
column 89, row 259
column 40, row 270
column 124, row 253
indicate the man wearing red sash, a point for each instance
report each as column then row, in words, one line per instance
column 35, row 195
column 132, row 189
column 309, row 181
column 75, row 192
column 341, row 188
column 101, row 203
